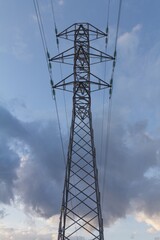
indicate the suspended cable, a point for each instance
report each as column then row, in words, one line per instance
column 110, row 103
column 105, row 67
column 53, row 14
column 54, row 22
column 49, row 66
column 41, row 28
column 60, row 130
column 115, row 49
column 118, row 22
column 107, row 147
column 107, row 28
column 57, row 43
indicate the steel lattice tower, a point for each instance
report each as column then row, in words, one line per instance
column 81, row 215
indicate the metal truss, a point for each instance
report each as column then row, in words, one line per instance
column 81, row 216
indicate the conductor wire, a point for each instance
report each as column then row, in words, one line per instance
column 110, row 103
column 45, row 48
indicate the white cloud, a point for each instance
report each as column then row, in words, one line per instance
column 15, row 234
column 20, row 48
column 152, row 221
column 128, row 43
column 129, row 150
column 61, row 2
column 35, row 228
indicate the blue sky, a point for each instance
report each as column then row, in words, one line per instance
column 31, row 162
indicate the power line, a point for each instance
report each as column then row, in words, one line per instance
column 41, row 28
column 59, row 126
column 53, row 14
column 105, row 67
column 115, row 49
column 107, row 28
column 107, row 147
column 58, row 48
column 49, row 66
column 118, row 22
column 110, row 103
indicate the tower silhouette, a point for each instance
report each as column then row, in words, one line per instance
column 81, row 216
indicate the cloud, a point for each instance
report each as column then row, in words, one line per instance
column 40, row 229
column 2, row 213
column 33, row 169
column 29, row 150
column 133, row 164
column 20, row 234
column 129, row 41
column 61, row 2
column 153, row 221
column 19, row 47
column 132, row 153
column 9, row 160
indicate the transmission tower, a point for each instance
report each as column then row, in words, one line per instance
column 81, row 216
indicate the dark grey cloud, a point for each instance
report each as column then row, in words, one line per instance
column 129, row 186
column 157, row 238
column 9, row 160
column 38, row 181
column 10, row 126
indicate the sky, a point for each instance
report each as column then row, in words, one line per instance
column 31, row 160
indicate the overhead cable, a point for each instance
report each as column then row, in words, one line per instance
column 110, row 104
column 115, row 49
column 105, row 67
column 58, row 48
column 49, row 66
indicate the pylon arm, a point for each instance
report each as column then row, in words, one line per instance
column 95, row 55
column 63, row 83
column 63, row 57
column 84, row 28
column 96, row 85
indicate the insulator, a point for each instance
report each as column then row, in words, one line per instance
column 48, row 55
column 114, row 64
column 107, row 30
column 56, row 31
column 50, row 65
column 53, row 91
column 57, row 41
column 110, row 92
column 51, row 81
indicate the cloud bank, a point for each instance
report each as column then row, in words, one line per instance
column 30, row 164
column 32, row 170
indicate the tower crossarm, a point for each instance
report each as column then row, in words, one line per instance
column 96, row 84
column 82, row 29
column 82, row 53
column 95, row 55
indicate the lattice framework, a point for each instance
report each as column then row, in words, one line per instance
column 81, row 215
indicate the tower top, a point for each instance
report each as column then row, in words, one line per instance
column 81, row 34
column 82, row 27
